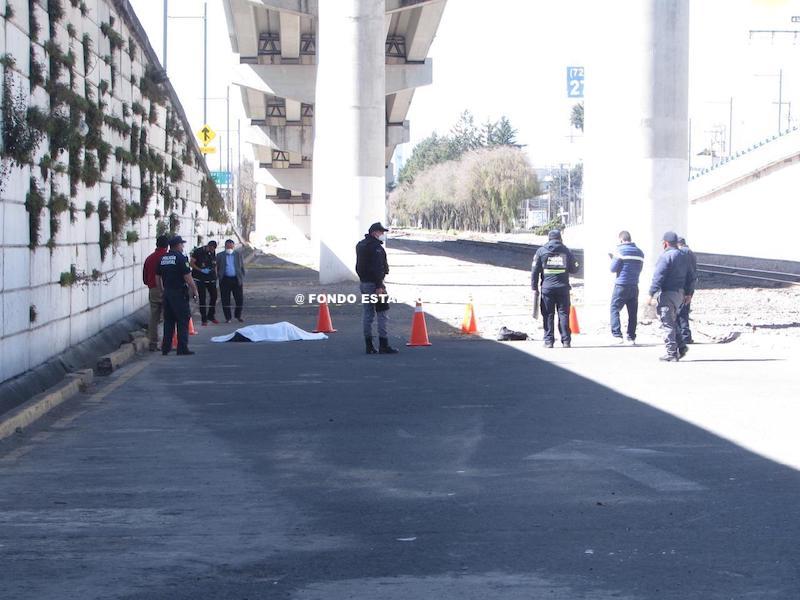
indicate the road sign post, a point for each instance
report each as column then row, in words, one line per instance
column 574, row 82
column 221, row 177
column 206, row 135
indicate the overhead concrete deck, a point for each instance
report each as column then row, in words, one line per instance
column 279, row 48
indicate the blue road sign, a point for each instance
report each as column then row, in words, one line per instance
column 574, row 82
column 221, row 177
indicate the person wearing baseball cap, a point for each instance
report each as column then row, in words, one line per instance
column 673, row 283
column 174, row 279
column 372, row 267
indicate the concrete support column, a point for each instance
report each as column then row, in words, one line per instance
column 349, row 131
column 636, row 173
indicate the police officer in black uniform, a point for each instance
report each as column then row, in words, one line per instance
column 204, row 273
column 174, row 278
column 551, row 268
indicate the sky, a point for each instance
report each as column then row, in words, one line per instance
column 512, row 61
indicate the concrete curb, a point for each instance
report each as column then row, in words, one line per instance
column 39, row 405
column 111, row 362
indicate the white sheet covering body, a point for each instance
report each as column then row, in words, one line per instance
column 273, row 332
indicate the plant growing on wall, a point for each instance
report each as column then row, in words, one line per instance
column 86, row 42
column 174, row 223
column 34, row 203
column 150, row 85
column 162, row 228
column 131, row 236
column 212, row 200
column 21, row 137
column 118, row 212
column 176, row 171
column 58, row 204
column 134, row 212
column 33, row 23
column 115, row 40
column 117, row 124
column 89, row 209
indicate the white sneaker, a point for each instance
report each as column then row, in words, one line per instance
column 630, row 342
column 617, row 341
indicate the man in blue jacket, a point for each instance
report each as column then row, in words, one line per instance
column 684, row 330
column 673, row 281
column 627, row 263
column 551, row 267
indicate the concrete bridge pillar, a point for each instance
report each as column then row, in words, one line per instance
column 637, row 82
column 349, row 122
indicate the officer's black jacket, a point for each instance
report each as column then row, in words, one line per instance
column 551, row 267
column 371, row 264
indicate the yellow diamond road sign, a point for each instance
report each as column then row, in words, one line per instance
column 206, row 134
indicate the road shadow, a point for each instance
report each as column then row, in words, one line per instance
column 460, row 470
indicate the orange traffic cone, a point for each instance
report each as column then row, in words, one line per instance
column 324, row 324
column 469, row 324
column 419, row 331
column 573, row 320
column 192, row 330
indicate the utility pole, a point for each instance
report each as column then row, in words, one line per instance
column 780, row 98
column 228, row 139
column 730, row 129
column 166, row 18
column 205, row 62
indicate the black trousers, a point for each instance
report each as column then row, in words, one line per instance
column 176, row 314
column 552, row 301
column 228, row 286
column 684, row 329
column 207, row 311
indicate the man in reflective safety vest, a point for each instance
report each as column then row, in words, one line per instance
column 551, row 268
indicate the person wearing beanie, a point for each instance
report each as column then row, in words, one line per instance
column 673, row 283
column 550, row 270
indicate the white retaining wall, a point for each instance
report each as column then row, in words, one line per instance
column 29, row 278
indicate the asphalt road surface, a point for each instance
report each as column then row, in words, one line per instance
column 307, row 470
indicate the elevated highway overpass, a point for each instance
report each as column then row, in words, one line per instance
column 327, row 87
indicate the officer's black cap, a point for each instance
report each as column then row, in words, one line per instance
column 554, row 235
column 682, row 241
column 377, row 227
column 671, row 237
column 177, row 240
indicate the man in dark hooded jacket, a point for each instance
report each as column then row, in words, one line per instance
column 372, row 267
column 551, row 268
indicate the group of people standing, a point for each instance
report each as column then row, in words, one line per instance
column 672, row 289
column 173, row 278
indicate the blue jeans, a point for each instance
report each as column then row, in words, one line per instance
column 627, row 296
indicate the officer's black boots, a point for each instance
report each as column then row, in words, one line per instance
column 385, row 348
column 370, row 347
